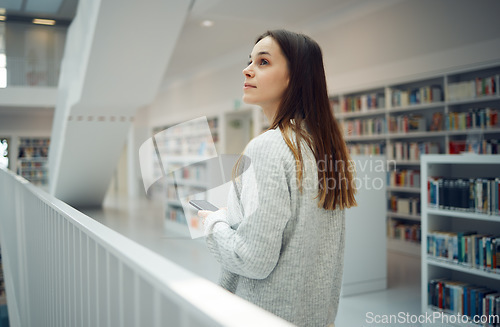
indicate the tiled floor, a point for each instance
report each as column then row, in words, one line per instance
column 142, row 221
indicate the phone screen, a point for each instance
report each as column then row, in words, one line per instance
column 203, row 205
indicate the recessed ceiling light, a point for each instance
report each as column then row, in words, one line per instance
column 2, row 18
column 44, row 21
column 207, row 23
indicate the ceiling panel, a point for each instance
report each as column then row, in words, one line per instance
column 43, row 6
column 11, row 4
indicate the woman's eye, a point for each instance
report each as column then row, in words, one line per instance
column 264, row 62
column 249, row 63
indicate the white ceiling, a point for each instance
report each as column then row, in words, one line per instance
column 55, row 9
column 236, row 25
column 238, row 22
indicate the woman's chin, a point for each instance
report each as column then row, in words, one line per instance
column 247, row 101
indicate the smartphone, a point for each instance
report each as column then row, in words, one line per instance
column 203, row 205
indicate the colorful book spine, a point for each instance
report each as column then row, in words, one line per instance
column 455, row 297
column 479, row 195
column 478, row 251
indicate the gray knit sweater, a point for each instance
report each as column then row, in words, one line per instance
column 277, row 249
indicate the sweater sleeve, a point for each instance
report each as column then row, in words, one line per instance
column 253, row 248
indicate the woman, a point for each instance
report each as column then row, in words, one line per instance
column 280, row 241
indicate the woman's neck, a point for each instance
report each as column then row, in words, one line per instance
column 270, row 113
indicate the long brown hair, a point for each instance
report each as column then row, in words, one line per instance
column 305, row 101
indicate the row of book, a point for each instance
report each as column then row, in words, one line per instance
column 474, row 118
column 404, row 205
column 425, row 94
column 362, row 103
column 358, row 127
column 34, row 142
column 411, row 150
column 176, row 214
column 33, row 174
column 455, row 297
column 478, row 118
column 474, row 145
column 473, row 88
column 31, row 164
column 479, row 251
column 480, row 195
column 194, row 172
column 197, row 173
column 403, row 231
column 404, row 178
column 366, row 149
column 33, row 152
column 407, row 123
column 213, row 123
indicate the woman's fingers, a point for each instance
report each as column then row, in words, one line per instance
column 204, row 213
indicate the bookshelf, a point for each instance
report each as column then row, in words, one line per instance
column 184, row 151
column 32, row 159
column 191, row 163
column 365, row 231
column 445, row 113
column 452, row 230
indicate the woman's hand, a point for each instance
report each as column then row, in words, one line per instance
column 203, row 214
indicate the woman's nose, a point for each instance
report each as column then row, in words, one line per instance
column 248, row 72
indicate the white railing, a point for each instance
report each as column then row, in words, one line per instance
column 62, row 268
column 30, row 72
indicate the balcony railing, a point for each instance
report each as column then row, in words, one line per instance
column 29, row 72
column 62, row 268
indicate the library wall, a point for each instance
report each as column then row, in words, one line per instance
column 408, row 39
column 209, row 93
column 39, row 124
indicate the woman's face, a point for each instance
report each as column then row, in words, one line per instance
column 266, row 76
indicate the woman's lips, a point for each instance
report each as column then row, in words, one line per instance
column 249, row 86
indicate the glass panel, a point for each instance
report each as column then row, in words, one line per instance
column 4, row 152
